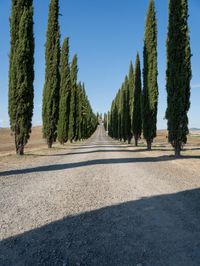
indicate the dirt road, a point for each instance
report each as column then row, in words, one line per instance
column 100, row 203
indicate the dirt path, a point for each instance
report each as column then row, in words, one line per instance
column 101, row 203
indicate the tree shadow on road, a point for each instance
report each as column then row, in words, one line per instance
column 60, row 167
column 109, row 148
column 103, row 145
column 152, row 231
column 191, row 149
column 86, row 152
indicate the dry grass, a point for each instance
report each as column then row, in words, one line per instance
column 37, row 143
column 190, row 155
column 7, row 140
column 37, row 147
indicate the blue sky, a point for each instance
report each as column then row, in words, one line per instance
column 106, row 34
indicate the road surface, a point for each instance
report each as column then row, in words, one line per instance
column 100, row 203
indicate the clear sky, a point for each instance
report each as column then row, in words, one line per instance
column 106, row 34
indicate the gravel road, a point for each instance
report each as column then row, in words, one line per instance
column 100, row 203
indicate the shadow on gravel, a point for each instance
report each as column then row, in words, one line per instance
column 143, row 147
column 59, row 167
column 111, row 150
column 85, row 152
column 192, row 149
column 155, row 231
column 100, row 146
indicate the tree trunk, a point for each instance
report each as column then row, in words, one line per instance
column 129, row 141
column 136, row 141
column 49, row 143
column 20, row 149
column 149, row 142
column 19, row 146
column 177, row 152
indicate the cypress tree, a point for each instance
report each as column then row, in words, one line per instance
column 73, row 99
column 131, row 87
column 87, row 118
column 178, row 74
column 110, row 131
column 150, row 87
column 118, row 116
column 108, row 124
column 84, row 114
column 21, row 72
column 127, row 111
column 65, row 87
column 16, row 14
column 98, row 116
column 50, row 108
column 91, row 119
column 123, row 112
column 105, row 121
column 115, row 119
column 136, row 115
column 79, row 112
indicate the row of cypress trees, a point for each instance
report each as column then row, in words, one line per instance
column 125, row 117
column 66, row 113
column 135, row 109
column 76, row 119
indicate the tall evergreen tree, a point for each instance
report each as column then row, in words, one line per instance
column 131, row 87
column 105, row 121
column 119, row 115
column 128, row 134
column 84, row 114
column 65, row 87
column 123, row 112
column 73, row 99
column 178, row 74
column 50, row 108
column 150, row 86
column 79, row 112
column 16, row 14
column 86, row 119
column 114, row 120
column 21, row 72
column 137, row 115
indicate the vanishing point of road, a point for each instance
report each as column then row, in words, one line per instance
column 100, row 203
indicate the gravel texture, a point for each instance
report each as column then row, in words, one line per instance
column 100, row 203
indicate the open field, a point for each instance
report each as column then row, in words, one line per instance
column 7, row 140
column 101, row 203
column 37, row 142
column 37, row 145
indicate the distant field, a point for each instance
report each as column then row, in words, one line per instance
column 193, row 138
column 36, row 141
column 7, row 140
